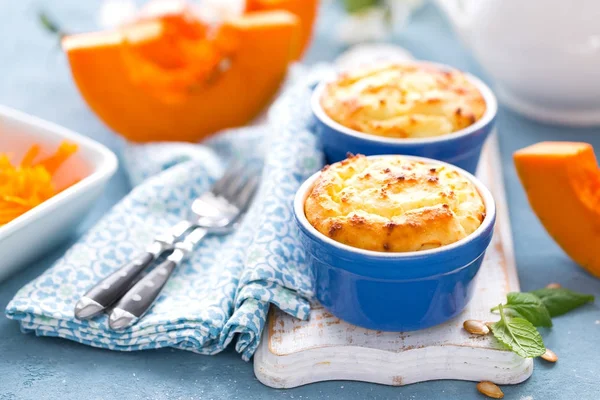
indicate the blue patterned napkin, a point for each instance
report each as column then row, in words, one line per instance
column 228, row 284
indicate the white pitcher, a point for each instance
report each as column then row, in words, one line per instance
column 544, row 55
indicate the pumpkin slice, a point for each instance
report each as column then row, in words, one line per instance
column 177, row 79
column 306, row 10
column 562, row 182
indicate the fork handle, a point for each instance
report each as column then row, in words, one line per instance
column 141, row 296
column 134, row 304
column 104, row 293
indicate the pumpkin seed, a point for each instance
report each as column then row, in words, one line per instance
column 553, row 286
column 476, row 327
column 490, row 390
column 550, row 356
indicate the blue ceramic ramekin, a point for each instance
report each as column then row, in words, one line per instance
column 461, row 148
column 394, row 291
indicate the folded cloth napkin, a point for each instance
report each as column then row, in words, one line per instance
column 224, row 290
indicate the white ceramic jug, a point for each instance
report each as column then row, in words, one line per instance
column 544, row 55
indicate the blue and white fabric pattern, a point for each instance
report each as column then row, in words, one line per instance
column 225, row 289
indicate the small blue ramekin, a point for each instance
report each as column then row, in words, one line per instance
column 461, row 148
column 394, row 291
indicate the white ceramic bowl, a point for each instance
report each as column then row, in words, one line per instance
column 545, row 72
column 30, row 235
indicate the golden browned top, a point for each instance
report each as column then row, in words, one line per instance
column 403, row 101
column 393, row 204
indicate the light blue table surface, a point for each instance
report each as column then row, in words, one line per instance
column 34, row 78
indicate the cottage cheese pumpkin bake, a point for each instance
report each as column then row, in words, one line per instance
column 393, row 204
column 403, row 101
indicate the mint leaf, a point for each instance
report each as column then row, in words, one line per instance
column 518, row 335
column 526, row 306
column 353, row 6
column 529, row 307
column 560, row 301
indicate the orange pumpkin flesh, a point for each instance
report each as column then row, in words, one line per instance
column 305, row 10
column 25, row 186
column 562, row 182
column 175, row 79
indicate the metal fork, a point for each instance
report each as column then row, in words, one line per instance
column 214, row 212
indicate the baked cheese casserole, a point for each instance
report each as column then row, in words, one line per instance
column 393, row 204
column 403, row 101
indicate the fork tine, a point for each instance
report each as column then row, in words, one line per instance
column 233, row 171
column 244, row 195
column 234, row 186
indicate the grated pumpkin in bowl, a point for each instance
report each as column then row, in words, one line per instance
column 24, row 186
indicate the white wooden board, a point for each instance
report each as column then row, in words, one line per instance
column 294, row 352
